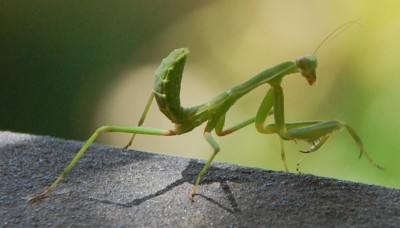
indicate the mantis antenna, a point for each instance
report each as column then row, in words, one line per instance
column 336, row 32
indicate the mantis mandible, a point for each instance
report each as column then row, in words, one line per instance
column 166, row 92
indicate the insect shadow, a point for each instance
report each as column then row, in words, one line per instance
column 189, row 175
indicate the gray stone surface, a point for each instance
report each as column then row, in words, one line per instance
column 118, row 187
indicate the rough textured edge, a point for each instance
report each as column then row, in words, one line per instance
column 117, row 187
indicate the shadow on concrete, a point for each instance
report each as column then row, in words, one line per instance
column 118, row 187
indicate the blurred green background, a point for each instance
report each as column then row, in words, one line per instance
column 67, row 67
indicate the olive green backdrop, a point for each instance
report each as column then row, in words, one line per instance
column 67, row 67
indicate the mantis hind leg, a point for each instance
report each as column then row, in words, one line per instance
column 89, row 142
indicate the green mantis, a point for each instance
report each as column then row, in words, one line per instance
column 166, row 92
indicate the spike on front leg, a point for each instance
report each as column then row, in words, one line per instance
column 316, row 144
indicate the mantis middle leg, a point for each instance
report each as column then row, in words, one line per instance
column 217, row 125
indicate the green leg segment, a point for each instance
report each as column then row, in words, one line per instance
column 318, row 132
column 142, row 118
column 204, row 170
column 82, row 151
column 214, row 145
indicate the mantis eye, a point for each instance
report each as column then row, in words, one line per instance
column 307, row 66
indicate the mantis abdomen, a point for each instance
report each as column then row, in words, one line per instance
column 167, row 85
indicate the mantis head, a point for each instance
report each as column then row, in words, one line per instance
column 307, row 65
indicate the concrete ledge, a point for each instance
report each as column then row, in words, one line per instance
column 118, row 187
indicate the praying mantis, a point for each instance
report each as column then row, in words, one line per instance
column 166, row 92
